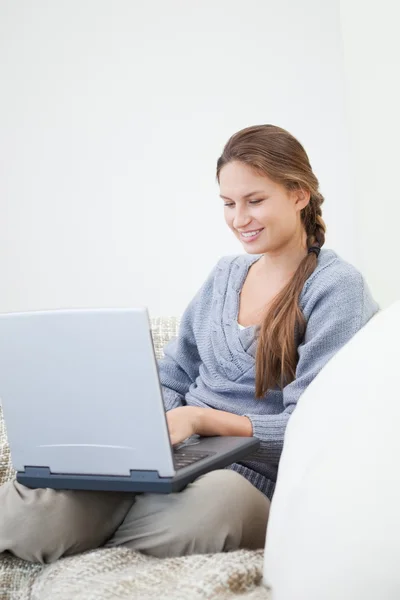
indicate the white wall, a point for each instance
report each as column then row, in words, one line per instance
column 372, row 64
column 112, row 116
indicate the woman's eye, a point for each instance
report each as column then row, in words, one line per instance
column 230, row 204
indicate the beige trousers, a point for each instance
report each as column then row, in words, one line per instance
column 218, row 512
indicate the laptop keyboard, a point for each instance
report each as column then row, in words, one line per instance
column 183, row 457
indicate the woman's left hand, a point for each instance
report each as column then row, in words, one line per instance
column 182, row 423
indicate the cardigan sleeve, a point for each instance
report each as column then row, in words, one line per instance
column 180, row 365
column 338, row 311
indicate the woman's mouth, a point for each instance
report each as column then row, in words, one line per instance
column 250, row 236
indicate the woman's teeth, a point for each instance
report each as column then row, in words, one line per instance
column 251, row 234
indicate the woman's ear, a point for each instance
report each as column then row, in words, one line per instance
column 302, row 198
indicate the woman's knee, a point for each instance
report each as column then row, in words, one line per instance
column 234, row 503
column 41, row 525
column 220, row 511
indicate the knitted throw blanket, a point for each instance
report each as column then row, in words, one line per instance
column 119, row 573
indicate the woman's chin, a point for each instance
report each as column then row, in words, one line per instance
column 256, row 248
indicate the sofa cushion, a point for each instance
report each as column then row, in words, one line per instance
column 334, row 528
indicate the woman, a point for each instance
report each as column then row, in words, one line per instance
column 253, row 338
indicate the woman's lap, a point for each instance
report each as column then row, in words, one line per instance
column 220, row 511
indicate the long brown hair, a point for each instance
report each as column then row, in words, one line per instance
column 276, row 153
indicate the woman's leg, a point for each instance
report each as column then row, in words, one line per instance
column 218, row 512
column 42, row 525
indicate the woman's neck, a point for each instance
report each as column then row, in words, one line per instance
column 283, row 263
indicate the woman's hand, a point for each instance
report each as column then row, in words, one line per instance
column 190, row 420
column 182, row 423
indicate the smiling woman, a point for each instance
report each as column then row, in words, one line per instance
column 298, row 305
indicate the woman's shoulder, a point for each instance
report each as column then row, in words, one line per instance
column 333, row 270
column 337, row 280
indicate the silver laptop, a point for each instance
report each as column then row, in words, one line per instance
column 83, row 405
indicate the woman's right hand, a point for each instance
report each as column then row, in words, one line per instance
column 182, row 423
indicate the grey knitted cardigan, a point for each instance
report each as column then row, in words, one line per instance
column 212, row 362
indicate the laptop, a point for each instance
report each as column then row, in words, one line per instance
column 83, row 405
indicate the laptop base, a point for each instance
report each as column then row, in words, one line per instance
column 136, row 482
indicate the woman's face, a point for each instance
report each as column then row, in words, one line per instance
column 263, row 215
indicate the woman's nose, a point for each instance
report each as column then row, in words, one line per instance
column 241, row 218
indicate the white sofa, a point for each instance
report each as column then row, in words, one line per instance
column 334, row 529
